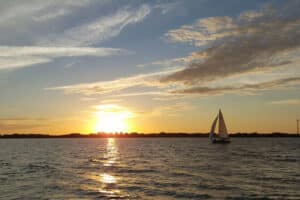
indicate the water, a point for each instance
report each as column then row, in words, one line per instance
column 149, row 168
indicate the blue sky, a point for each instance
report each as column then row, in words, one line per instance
column 172, row 64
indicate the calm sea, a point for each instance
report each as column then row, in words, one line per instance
column 149, row 168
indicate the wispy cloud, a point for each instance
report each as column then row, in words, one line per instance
column 53, row 15
column 168, row 63
column 16, row 12
column 24, row 56
column 170, row 109
column 113, row 110
column 100, row 29
column 167, row 7
column 108, row 87
column 63, row 38
column 111, row 101
column 69, row 22
column 117, row 88
column 12, row 51
column 17, row 62
column 75, row 40
column 242, row 89
column 36, row 125
column 109, row 108
column 20, row 123
column 203, row 31
column 14, row 119
column 287, row 102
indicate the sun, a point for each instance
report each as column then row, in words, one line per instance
column 112, row 119
column 111, row 123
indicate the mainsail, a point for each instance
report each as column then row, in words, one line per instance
column 222, row 127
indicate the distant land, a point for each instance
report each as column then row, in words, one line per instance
column 141, row 135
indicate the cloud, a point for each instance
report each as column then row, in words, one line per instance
column 203, row 31
column 117, row 88
column 287, row 102
column 71, row 22
column 170, row 109
column 110, row 101
column 19, row 127
column 30, row 22
column 234, row 50
column 54, row 9
column 108, row 87
column 167, row 7
column 100, row 29
column 17, row 12
column 252, row 42
column 21, row 119
column 53, row 15
column 167, row 63
column 109, row 108
column 24, row 56
column 36, row 125
column 112, row 111
column 242, row 89
column 17, row 62
column 20, row 51
column 14, row 124
column 47, row 40
column 134, row 94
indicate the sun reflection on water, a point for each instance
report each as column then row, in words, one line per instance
column 111, row 152
column 107, row 178
column 107, row 181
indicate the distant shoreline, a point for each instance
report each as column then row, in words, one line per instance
column 141, row 135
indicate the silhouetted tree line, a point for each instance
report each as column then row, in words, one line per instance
column 143, row 135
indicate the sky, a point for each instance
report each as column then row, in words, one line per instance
column 148, row 66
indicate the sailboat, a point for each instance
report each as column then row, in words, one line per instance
column 222, row 136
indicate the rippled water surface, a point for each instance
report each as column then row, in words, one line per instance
column 149, row 168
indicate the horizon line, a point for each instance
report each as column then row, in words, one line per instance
column 134, row 135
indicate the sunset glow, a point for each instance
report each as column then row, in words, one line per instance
column 88, row 66
column 149, row 99
column 112, row 119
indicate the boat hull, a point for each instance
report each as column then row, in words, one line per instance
column 220, row 141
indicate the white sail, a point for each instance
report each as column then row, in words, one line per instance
column 222, row 127
column 212, row 130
